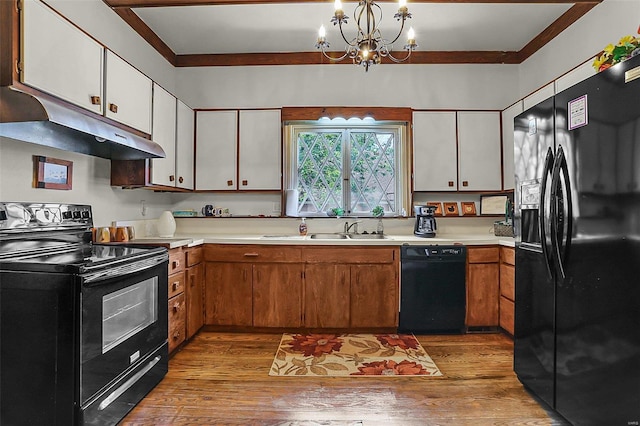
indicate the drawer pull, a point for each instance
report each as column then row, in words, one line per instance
column 176, row 307
column 251, row 254
column 175, row 285
column 176, row 335
column 175, row 264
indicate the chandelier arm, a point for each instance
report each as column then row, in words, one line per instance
column 345, row 38
column 337, row 59
column 396, row 60
column 399, row 32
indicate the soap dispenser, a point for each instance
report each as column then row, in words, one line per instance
column 303, row 227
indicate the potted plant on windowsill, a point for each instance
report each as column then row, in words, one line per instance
column 378, row 212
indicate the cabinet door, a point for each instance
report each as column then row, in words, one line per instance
column 575, row 76
column 194, row 291
column 483, row 294
column 176, row 306
column 327, row 295
column 60, row 59
column 128, row 94
column 184, row 146
column 163, row 170
column 434, row 151
column 216, row 150
column 227, row 294
column 507, row 144
column 277, row 295
column 374, row 296
column 479, row 164
column 260, row 150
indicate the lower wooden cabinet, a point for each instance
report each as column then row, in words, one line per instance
column 194, row 290
column 507, row 289
column 327, row 295
column 483, row 286
column 277, row 295
column 228, row 292
column 177, row 321
column 312, row 287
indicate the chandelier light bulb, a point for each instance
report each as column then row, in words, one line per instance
column 322, row 32
column 402, row 3
column 411, row 35
column 337, row 5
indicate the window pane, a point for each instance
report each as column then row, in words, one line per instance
column 319, row 171
column 373, row 171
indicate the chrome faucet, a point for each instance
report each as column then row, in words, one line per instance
column 354, row 225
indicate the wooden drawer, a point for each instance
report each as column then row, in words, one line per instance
column 507, row 308
column 193, row 256
column 251, row 253
column 483, row 254
column 351, row 254
column 176, row 261
column 508, row 255
column 176, row 284
column 507, row 281
column 177, row 321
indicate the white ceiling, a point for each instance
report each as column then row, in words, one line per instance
column 292, row 27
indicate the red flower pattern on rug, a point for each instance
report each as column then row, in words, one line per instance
column 315, row 344
column 403, row 341
column 391, row 368
column 352, row 355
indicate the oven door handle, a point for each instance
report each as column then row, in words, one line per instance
column 126, row 385
column 124, row 269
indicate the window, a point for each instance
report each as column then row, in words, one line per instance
column 353, row 165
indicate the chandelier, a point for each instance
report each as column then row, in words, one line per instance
column 368, row 47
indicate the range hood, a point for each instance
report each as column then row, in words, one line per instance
column 36, row 119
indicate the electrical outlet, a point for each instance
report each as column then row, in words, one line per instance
column 143, row 207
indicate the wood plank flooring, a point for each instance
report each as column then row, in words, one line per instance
column 222, row 379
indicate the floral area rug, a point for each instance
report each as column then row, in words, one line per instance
column 352, row 355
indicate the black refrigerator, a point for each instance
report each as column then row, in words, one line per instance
column 577, row 228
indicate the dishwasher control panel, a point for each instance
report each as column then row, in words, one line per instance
column 433, row 251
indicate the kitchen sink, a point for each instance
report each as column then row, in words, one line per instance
column 367, row 236
column 329, row 236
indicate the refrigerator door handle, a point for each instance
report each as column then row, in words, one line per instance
column 561, row 248
column 542, row 218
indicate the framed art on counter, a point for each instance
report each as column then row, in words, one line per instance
column 451, row 209
column 468, row 208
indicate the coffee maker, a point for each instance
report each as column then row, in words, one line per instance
column 425, row 221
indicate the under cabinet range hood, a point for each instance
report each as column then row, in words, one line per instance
column 36, row 119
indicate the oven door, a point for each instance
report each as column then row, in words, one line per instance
column 123, row 319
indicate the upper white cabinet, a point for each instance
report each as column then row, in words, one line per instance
column 575, row 76
column 507, row 144
column 128, row 94
column 59, row 59
column 479, row 151
column 260, row 150
column 456, row 151
column 217, row 150
column 250, row 160
column 434, row 151
column 163, row 170
column 538, row 96
column 184, row 146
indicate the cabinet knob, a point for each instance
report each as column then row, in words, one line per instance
column 95, row 100
column 113, row 108
column 172, row 178
column 176, row 335
column 465, row 183
column 180, row 179
column 229, row 183
column 450, row 183
column 175, row 264
column 176, row 307
column 175, row 285
column 245, row 182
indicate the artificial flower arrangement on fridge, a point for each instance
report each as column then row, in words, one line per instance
column 627, row 47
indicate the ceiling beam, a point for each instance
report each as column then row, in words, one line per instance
column 165, row 3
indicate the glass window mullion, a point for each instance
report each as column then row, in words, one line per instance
column 346, row 170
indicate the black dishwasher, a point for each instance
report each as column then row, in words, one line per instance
column 432, row 289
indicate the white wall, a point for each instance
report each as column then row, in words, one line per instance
column 606, row 23
column 415, row 86
column 90, row 184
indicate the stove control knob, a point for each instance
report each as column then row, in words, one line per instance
column 76, row 214
column 66, row 215
column 85, row 214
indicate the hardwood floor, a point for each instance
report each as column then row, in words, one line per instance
column 222, row 379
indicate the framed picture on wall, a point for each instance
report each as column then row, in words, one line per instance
column 52, row 173
column 451, row 209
